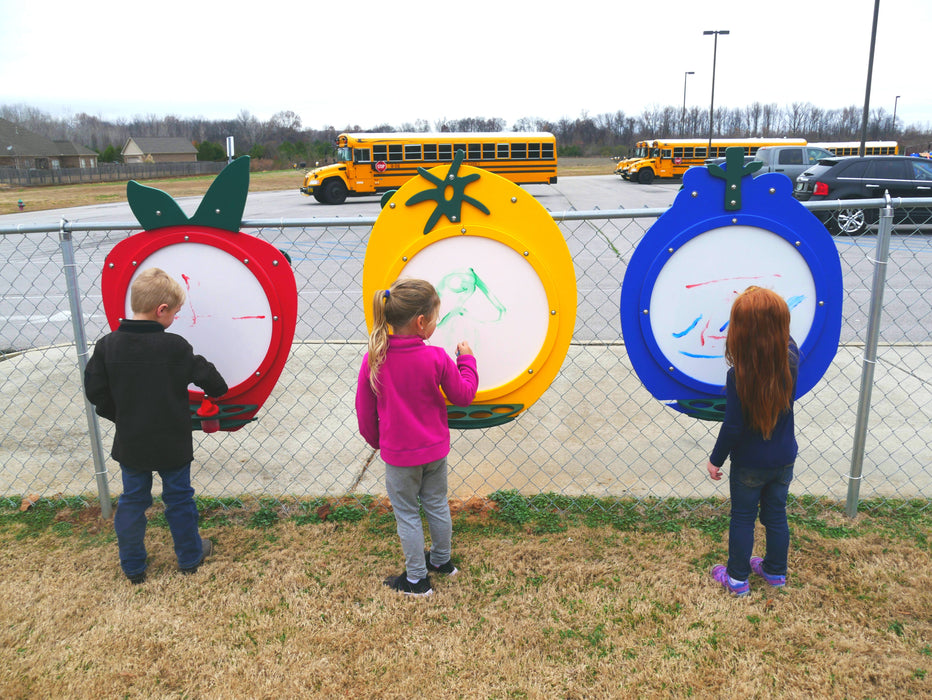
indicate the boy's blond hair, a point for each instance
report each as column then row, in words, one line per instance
column 152, row 288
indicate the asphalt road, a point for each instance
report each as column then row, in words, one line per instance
column 579, row 193
column 328, row 263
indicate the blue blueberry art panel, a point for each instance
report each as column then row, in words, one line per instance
column 725, row 232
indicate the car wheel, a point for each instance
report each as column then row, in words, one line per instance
column 333, row 191
column 645, row 176
column 852, row 222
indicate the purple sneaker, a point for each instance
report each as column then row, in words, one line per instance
column 758, row 568
column 720, row 575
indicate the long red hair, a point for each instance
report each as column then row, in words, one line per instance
column 756, row 346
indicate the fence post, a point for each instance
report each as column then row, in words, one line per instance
column 881, row 255
column 80, row 342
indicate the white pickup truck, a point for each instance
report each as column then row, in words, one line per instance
column 792, row 161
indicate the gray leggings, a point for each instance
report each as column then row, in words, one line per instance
column 428, row 482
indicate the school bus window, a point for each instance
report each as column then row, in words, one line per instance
column 519, row 151
column 488, row 151
column 533, row 151
column 547, row 151
column 394, row 152
column 413, row 152
column 666, row 153
column 501, row 150
column 344, row 153
column 475, row 151
column 459, row 147
column 430, row 151
column 361, row 155
column 688, row 152
column 700, row 153
column 380, row 152
column 677, row 152
column 445, row 151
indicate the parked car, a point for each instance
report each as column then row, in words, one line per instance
column 863, row 178
column 792, row 161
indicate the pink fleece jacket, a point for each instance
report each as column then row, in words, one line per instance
column 407, row 420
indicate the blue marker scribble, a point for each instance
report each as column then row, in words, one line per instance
column 793, row 302
column 691, row 326
column 724, row 327
column 701, row 357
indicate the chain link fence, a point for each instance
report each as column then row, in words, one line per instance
column 595, row 432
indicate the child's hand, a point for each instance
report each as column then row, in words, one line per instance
column 714, row 472
column 462, row 348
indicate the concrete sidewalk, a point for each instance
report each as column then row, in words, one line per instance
column 595, row 431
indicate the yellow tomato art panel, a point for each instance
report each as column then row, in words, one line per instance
column 503, row 272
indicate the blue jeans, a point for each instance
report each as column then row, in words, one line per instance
column 180, row 512
column 762, row 491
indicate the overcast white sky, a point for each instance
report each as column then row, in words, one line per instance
column 367, row 62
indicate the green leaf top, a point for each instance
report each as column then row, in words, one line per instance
column 452, row 207
column 222, row 206
column 732, row 173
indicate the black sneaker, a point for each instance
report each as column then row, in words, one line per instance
column 137, row 579
column 207, row 549
column 448, row 569
column 401, row 584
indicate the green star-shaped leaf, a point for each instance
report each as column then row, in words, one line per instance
column 451, row 208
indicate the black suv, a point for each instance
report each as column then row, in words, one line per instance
column 863, row 178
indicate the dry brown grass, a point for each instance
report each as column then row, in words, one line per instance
column 288, row 611
column 63, row 196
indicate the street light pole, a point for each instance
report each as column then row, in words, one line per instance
column 867, row 90
column 715, row 33
column 683, row 120
column 894, row 115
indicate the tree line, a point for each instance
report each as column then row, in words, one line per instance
column 283, row 140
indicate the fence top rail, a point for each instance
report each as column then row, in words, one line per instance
column 350, row 222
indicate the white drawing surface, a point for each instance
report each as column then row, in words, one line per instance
column 492, row 298
column 692, row 296
column 226, row 316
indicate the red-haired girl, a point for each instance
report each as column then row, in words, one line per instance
column 758, row 434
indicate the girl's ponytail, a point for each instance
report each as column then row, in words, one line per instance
column 378, row 338
column 395, row 307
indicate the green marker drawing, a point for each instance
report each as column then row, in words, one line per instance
column 462, row 286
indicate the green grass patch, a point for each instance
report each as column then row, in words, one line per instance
column 40, row 516
column 512, row 513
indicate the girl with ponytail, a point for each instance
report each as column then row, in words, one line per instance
column 402, row 412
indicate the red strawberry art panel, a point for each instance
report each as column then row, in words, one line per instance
column 242, row 301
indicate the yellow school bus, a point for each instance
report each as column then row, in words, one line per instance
column 372, row 163
column 673, row 157
column 852, row 148
column 640, row 151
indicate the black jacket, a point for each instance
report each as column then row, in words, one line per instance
column 138, row 377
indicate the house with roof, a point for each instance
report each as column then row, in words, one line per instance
column 158, row 150
column 25, row 150
column 74, row 156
